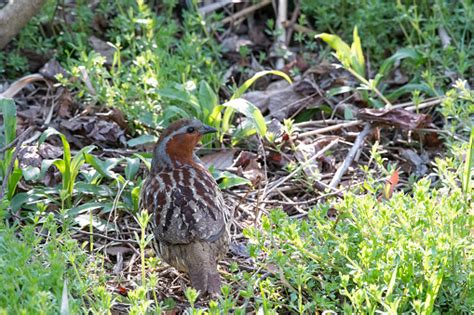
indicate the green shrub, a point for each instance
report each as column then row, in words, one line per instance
column 386, row 26
column 150, row 53
column 411, row 253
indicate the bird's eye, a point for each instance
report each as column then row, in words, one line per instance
column 190, row 129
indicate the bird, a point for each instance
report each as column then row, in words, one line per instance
column 189, row 217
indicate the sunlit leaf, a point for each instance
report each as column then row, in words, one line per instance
column 141, row 140
column 251, row 112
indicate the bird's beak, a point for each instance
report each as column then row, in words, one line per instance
column 206, row 129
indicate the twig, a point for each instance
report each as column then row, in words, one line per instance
column 330, row 128
column 301, row 29
column 214, row 6
column 302, row 165
column 19, row 141
column 130, row 241
column 292, row 22
column 411, row 105
column 350, row 156
column 280, row 40
column 245, row 11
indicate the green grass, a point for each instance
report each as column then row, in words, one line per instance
column 411, row 253
column 150, row 53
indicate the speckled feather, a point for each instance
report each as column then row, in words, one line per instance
column 190, row 220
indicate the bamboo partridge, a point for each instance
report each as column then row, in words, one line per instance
column 190, row 220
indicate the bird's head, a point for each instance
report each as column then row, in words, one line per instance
column 177, row 142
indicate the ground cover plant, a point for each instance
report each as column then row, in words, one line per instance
column 344, row 150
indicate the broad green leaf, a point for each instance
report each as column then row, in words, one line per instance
column 408, row 88
column 8, row 108
column 13, row 180
column 31, row 173
column 181, row 96
column 241, row 90
column 143, row 157
column 251, row 112
column 401, row 54
column 86, row 207
column 357, row 56
column 132, row 168
column 136, row 198
column 51, row 131
column 93, row 189
column 339, row 90
column 244, row 87
column 207, row 99
column 230, row 180
column 336, row 43
column 103, row 167
column 141, row 140
column 60, row 164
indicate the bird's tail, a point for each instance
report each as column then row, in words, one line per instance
column 202, row 269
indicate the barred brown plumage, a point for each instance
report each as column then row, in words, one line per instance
column 190, row 220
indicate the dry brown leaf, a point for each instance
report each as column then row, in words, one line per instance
column 281, row 99
column 19, row 84
column 221, row 160
column 398, row 117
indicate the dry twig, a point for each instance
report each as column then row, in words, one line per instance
column 350, row 156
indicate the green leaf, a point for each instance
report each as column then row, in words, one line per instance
column 13, row 180
column 241, row 90
column 357, row 56
column 469, row 164
column 410, row 87
column 251, row 112
column 339, row 90
column 132, row 168
column 144, row 159
column 181, row 96
column 86, row 207
column 401, row 54
column 207, row 99
column 8, row 108
column 31, row 173
column 343, row 51
column 228, row 179
column 136, row 198
column 103, row 167
column 244, row 87
column 93, row 189
column 336, row 43
column 141, row 140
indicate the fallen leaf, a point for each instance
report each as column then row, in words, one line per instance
column 95, row 130
column 399, row 117
column 19, row 84
column 221, row 160
column 418, row 162
column 389, row 186
column 282, row 101
column 244, row 158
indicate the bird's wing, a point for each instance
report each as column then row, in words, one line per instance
column 187, row 205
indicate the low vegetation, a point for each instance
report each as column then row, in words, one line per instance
column 395, row 236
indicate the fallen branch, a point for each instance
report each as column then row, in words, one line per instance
column 301, row 166
column 330, row 128
column 14, row 16
column 350, row 156
column 246, row 11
